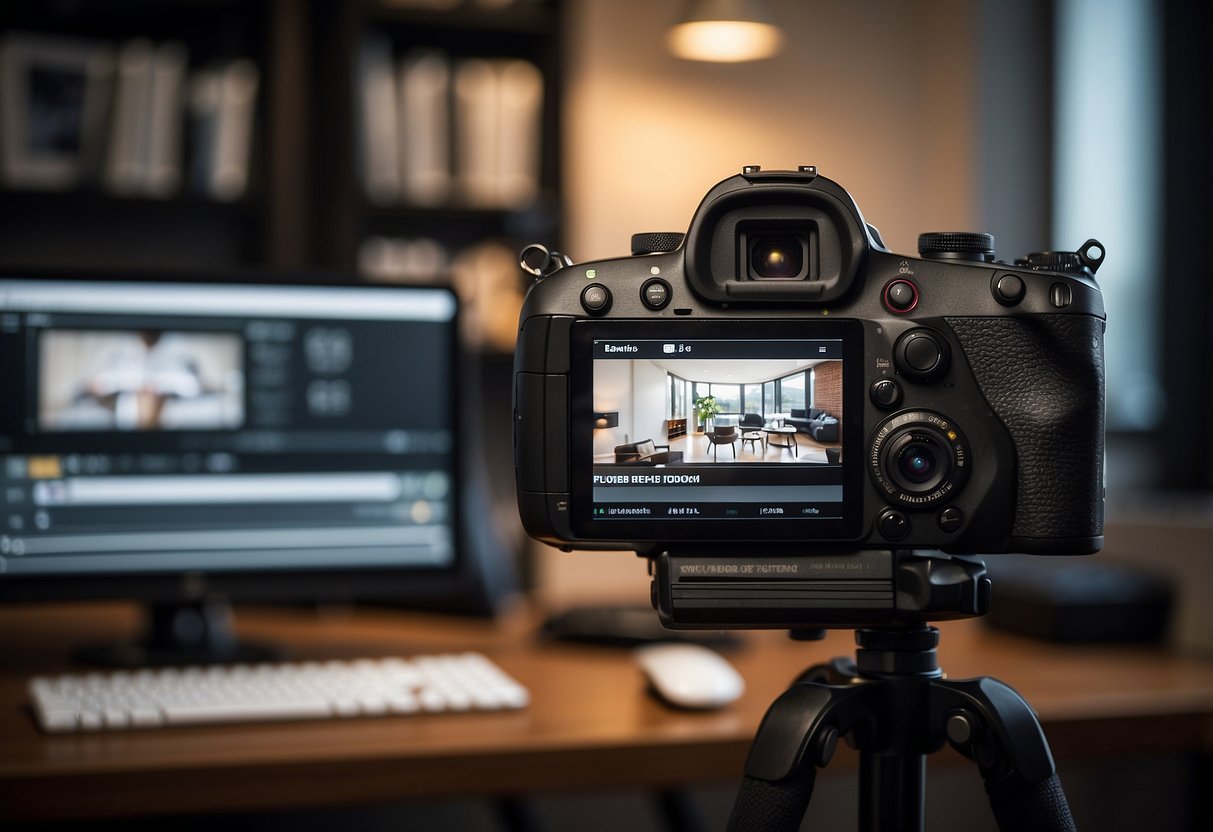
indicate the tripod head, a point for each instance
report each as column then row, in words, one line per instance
column 809, row 593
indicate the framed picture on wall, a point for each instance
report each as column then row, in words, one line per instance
column 54, row 103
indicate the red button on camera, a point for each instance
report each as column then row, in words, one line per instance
column 900, row 296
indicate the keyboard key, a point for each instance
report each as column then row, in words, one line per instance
column 212, row 712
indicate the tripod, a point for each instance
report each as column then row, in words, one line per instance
column 893, row 704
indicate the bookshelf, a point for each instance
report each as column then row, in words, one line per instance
column 303, row 204
column 675, row 428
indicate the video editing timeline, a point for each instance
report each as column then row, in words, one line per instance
column 153, row 427
column 775, row 480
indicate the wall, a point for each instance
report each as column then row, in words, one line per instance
column 612, row 390
column 650, row 401
column 827, row 387
column 879, row 95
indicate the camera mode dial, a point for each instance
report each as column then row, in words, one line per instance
column 918, row 459
column 957, row 245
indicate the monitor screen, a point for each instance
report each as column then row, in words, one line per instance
column 265, row 438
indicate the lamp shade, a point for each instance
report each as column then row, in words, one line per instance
column 606, row 420
column 725, row 31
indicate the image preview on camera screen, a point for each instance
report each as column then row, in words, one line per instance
column 704, row 426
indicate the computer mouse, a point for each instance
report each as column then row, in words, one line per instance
column 690, row 675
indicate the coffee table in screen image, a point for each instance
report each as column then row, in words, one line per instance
column 783, row 437
column 753, row 437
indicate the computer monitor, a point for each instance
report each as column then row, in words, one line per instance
column 189, row 442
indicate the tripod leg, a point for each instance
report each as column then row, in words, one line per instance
column 797, row 736
column 778, row 807
column 992, row 725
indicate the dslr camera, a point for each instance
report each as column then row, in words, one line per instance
column 778, row 410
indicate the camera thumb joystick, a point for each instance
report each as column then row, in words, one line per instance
column 921, row 355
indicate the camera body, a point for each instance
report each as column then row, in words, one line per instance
column 778, row 384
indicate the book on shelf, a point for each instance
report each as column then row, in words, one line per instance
column 425, row 127
column 162, row 172
column 498, row 125
column 519, row 131
column 130, row 120
column 476, row 120
column 144, row 153
column 222, row 113
column 378, row 144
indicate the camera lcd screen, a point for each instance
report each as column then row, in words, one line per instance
column 721, row 430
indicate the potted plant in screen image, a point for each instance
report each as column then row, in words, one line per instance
column 706, row 408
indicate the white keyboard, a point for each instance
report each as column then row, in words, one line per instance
column 280, row 691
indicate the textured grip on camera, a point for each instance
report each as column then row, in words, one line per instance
column 1044, row 377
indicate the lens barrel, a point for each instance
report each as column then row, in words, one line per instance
column 918, row 458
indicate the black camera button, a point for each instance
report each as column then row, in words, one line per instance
column 885, row 393
column 596, row 299
column 893, row 525
column 900, row 296
column 655, row 293
column 921, row 355
column 1009, row 289
column 950, row 519
column 1061, row 295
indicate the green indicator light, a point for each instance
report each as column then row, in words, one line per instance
column 591, row 273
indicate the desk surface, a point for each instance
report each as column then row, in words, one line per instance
column 590, row 724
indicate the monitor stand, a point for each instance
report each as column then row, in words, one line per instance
column 180, row 633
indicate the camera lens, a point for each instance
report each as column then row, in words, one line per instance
column 919, row 458
column 917, row 462
column 777, row 256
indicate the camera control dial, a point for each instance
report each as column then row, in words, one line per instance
column 656, row 242
column 921, row 354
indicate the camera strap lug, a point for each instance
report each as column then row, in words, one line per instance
column 537, row 260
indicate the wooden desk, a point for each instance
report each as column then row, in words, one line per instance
column 591, row 725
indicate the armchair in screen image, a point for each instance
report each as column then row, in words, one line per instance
column 645, row 453
column 723, row 435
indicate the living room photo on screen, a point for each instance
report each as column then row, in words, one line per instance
column 749, row 411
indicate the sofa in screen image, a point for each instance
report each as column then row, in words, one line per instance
column 814, row 423
column 645, row 453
